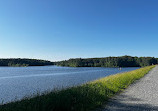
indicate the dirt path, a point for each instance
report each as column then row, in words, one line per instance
column 141, row 96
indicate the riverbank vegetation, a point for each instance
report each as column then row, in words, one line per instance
column 122, row 61
column 24, row 62
column 17, row 65
column 80, row 98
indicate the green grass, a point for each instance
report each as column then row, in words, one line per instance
column 80, row 98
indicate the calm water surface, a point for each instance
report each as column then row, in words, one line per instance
column 17, row 82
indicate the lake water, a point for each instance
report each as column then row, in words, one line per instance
column 17, row 82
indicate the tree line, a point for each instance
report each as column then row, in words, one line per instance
column 24, row 62
column 122, row 61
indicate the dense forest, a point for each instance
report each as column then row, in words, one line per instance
column 24, row 62
column 122, row 61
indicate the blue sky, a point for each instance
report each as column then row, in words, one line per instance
column 62, row 29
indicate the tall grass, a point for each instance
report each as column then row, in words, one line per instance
column 80, row 98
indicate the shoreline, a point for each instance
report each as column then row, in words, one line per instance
column 84, row 97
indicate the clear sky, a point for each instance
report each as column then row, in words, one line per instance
column 62, row 29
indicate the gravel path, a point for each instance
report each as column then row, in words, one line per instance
column 140, row 96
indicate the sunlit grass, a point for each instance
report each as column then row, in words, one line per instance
column 80, row 98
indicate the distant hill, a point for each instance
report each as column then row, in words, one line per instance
column 121, row 61
column 24, row 62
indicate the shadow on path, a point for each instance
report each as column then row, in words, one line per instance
column 122, row 104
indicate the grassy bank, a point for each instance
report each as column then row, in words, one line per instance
column 80, row 98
